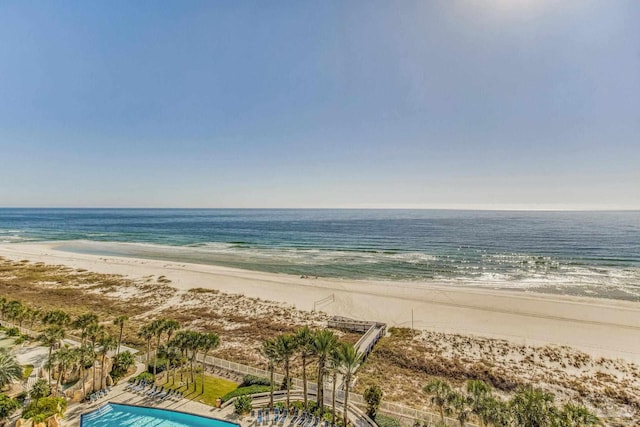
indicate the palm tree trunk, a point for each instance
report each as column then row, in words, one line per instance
column 148, row 353
column 286, row 378
column 441, row 414
column 304, row 379
column 333, row 398
column 84, row 391
column 155, row 358
column 320, row 391
column 103, row 379
column 204, row 357
column 271, row 380
column 93, row 382
column 347, row 382
column 120, row 339
column 50, row 350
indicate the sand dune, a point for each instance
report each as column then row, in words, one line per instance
column 599, row 327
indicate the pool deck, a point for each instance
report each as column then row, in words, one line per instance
column 119, row 395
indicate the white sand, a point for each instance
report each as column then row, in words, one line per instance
column 599, row 327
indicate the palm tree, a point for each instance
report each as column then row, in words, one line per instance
column 94, row 332
column 350, row 359
column 120, row 322
column 304, row 343
column 82, row 322
column 181, row 342
column 10, row 369
column 39, row 390
column 14, row 310
column 270, row 352
column 57, row 317
column 107, row 343
column 51, row 337
column 324, row 342
column 146, row 333
column 439, row 391
column 460, row 405
column 286, row 347
column 66, row 357
column 495, row 413
column 170, row 326
column 579, row 416
column 208, row 342
column 334, row 365
column 157, row 326
column 532, row 407
column 3, row 307
column 193, row 340
column 86, row 358
column 479, row 392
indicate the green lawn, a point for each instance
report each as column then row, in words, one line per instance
column 214, row 388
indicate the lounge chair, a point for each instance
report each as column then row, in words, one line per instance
column 285, row 414
column 276, row 414
column 302, row 418
column 259, row 420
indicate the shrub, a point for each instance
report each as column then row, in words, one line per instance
column 44, row 408
column 243, row 405
column 7, row 406
column 241, row 391
column 121, row 364
column 373, row 397
column 148, row 377
column 383, row 421
column 249, row 380
column 13, row 332
column 161, row 365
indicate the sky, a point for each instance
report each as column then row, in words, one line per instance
column 477, row 104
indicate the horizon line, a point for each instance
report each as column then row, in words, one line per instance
column 397, row 208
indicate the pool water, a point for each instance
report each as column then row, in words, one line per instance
column 115, row 414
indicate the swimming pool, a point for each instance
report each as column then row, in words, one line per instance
column 116, row 414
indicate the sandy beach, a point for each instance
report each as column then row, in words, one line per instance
column 598, row 327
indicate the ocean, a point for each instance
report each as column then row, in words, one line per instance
column 577, row 253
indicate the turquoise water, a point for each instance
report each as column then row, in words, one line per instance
column 113, row 414
column 581, row 253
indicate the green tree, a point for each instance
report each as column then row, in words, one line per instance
column 146, row 333
column 479, row 393
column 10, row 369
column 121, row 364
column 208, row 342
column 40, row 389
column 82, row 322
column 373, row 397
column 532, row 407
column 496, row 413
column 107, row 343
column 157, row 326
column 350, row 359
column 95, row 332
column 65, row 358
column 286, row 347
column 7, row 406
column 46, row 407
column 270, row 352
column 86, row 359
column 120, row 321
column 324, row 341
column 439, row 391
column 57, row 317
column 460, row 407
column 304, row 344
column 333, row 364
column 243, row 404
column 51, row 337
column 578, row 416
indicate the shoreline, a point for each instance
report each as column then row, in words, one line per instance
column 599, row 327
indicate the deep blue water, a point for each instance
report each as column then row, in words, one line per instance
column 586, row 253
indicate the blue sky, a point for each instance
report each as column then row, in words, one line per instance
column 427, row 104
